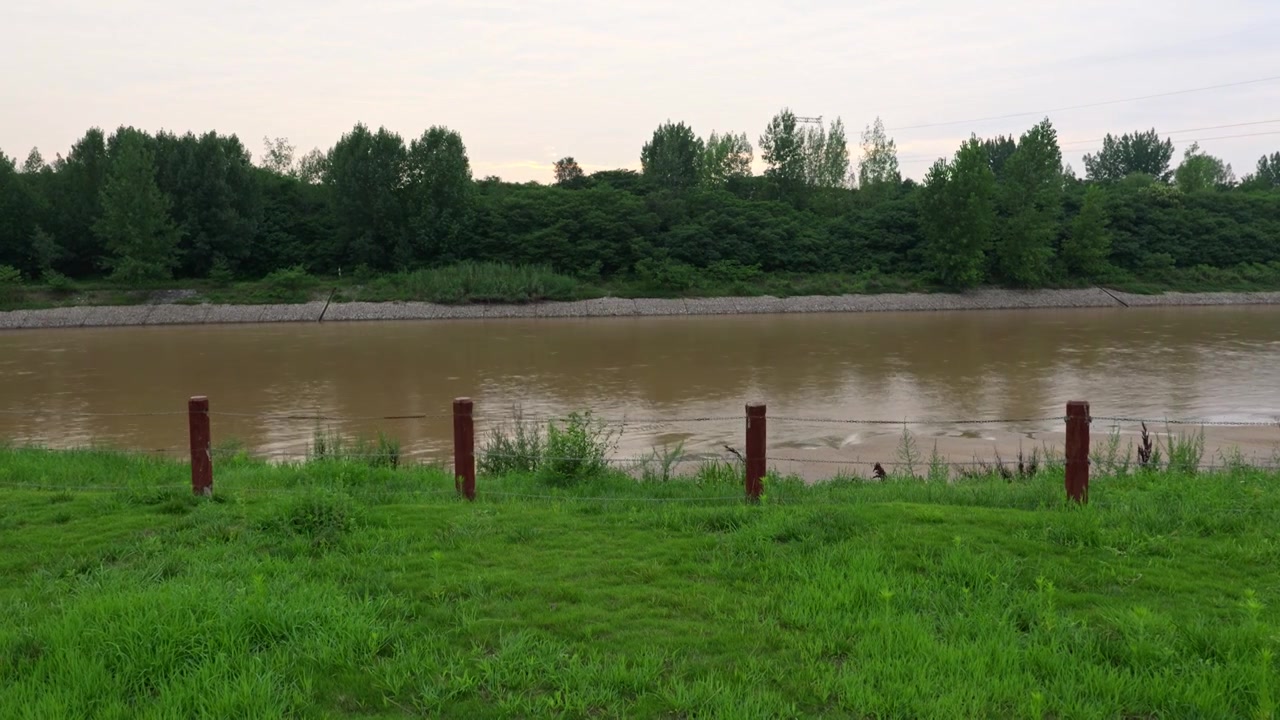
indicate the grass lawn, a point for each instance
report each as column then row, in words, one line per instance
column 338, row 590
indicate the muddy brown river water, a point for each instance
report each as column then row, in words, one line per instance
column 96, row 386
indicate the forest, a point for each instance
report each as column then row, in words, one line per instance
column 152, row 210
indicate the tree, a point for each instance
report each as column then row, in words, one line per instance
column 1087, row 247
column 957, row 212
column 440, row 196
column 879, row 166
column 726, row 157
column 365, row 174
column 34, row 163
column 783, row 150
column 76, row 193
column 17, row 215
column 1139, row 152
column 1267, row 175
column 1201, row 171
column 672, row 157
column 215, row 196
column 310, row 168
column 45, row 251
column 827, row 152
column 277, row 156
column 999, row 149
column 1030, row 201
column 135, row 227
column 625, row 180
column 568, row 172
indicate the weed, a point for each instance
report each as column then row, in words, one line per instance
column 938, row 470
column 512, row 447
column 576, row 450
column 908, row 454
column 382, row 452
column 1184, row 450
column 319, row 515
column 1109, row 457
column 659, row 465
column 719, row 473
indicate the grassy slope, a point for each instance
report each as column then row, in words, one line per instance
column 489, row 283
column 337, row 590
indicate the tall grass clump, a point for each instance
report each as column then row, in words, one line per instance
column 1184, row 451
column 382, row 452
column 475, row 282
column 513, row 447
column 660, row 464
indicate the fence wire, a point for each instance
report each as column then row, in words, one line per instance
column 623, row 421
column 1187, row 421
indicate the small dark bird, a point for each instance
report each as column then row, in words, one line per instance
column 879, row 472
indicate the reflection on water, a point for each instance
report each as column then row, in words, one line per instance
column 1218, row 363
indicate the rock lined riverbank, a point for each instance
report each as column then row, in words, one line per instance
column 991, row 299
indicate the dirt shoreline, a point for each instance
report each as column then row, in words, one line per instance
column 320, row 311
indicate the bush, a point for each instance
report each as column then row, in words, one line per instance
column 513, row 447
column 576, row 451
column 57, row 282
column 220, row 274
column 288, row 285
column 471, row 282
column 666, row 274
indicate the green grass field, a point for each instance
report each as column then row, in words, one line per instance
column 335, row 589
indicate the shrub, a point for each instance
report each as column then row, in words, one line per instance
column 288, row 285
column 576, row 451
column 666, row 274
column 10, row 282
column 220, row 274
column 57, row 282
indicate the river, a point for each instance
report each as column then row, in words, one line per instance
column 99, row 386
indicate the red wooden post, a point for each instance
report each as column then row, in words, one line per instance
column 464, row 448
column 1078, row 451
column 756, row 461
column 201, row 458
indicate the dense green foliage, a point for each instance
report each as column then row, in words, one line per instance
column 1002, row 211
column 354, row 589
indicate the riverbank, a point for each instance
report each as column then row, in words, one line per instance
column 179, row 313
column 128, row 596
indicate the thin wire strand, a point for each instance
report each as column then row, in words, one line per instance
column 855, row 421
column 1189, row 421
column 81, row 414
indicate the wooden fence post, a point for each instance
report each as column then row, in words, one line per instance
column 1077, row 448
column 201, row 457
column 756, row 458
column 464, row 448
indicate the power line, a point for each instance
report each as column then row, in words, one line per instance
column 1178, row 132
column 1086, row 105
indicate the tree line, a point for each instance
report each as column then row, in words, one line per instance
column 143, row 208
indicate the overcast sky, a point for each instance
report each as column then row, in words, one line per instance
column 528, row 82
